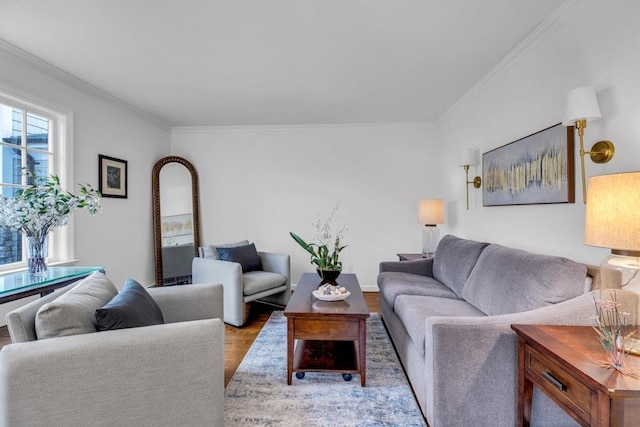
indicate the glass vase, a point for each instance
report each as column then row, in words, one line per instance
column 37, row 255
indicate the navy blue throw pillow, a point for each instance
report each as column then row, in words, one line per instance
column 131, row 308
column 247, row 256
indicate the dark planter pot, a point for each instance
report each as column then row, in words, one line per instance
column 328, row 276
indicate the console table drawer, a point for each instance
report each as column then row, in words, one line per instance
column 328, row 329
column 559, row 383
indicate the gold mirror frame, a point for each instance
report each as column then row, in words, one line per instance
column 157, row 217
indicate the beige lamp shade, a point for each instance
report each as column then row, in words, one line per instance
column 613, row 212
column 431, row 212
column 582, row 104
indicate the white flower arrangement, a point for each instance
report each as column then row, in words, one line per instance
column 321, row 254
column 43, row 205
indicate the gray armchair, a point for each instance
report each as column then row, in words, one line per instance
column 162, row 375
column 271, row 285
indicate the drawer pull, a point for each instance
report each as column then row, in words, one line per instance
column 553, row 380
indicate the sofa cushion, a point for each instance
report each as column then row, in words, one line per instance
column 413, row 310
column 72, row 312
column 211, row 251
column 454, row 259
column 259, row 281
column 393, row 284
column 247, row 256
column 131, row 308
column 507, row 280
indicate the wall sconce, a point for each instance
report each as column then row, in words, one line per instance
column 430, row 213
column 612, row 221
column 468, row 160
column 582, row 105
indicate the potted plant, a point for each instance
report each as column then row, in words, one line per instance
column 325, row 250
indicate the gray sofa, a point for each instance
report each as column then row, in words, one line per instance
column 162, row 375
column 450, row 318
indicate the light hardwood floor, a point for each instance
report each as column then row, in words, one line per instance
column 238, row 340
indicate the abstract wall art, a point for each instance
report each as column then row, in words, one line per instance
column 536, row 169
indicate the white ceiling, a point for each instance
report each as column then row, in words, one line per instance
column 258, row 62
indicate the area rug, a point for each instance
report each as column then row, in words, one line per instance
column 258, row 394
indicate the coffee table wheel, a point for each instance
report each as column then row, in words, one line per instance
column 347, row 377
column 299, row 375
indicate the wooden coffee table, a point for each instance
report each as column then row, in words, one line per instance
column 327, row 331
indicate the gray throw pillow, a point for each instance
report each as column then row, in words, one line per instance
column 72, row 312
column 247, row 256
column 131, row 308
column 507, row 280
column 211, row 252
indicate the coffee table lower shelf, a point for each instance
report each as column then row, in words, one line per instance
column 326, row 356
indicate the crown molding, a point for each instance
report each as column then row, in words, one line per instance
column 79, row 84
column 285, row 128
column 545, row 30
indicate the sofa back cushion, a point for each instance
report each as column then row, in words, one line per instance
column 507, row 280
column 454, row 259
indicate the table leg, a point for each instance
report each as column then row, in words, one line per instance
column 362, row 344
column 290, row 340
column 525, row 389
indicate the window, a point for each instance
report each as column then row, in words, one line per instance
column 31, row 138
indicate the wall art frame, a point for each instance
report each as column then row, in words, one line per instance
column 113, row 176
column 536, row 169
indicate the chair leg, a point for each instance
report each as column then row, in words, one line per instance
column 246, row 310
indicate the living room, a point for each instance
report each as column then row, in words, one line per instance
column 397, row 164
column 260, row 181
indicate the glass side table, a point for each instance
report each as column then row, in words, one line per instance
column 21, row 284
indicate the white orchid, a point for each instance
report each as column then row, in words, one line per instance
column 319, row 249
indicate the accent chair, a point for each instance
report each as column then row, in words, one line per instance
column 247, row 275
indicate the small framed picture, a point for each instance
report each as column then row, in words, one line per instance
column 113, row 176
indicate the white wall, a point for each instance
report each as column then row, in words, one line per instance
column 588, row 43
column 120, row 239
column 259, row 183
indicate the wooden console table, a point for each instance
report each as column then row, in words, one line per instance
column 564, row 363
column 21, row 284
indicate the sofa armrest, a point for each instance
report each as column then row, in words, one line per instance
column 171, row 374
column 465, row 354
column 422, row 267
column 205, row 270
column 189, row 302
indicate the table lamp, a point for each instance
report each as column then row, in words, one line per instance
column 613, row 221
column 430, row 213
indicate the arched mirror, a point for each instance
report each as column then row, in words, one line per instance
column 176, row 219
